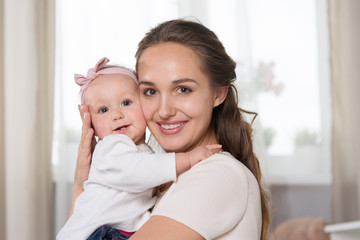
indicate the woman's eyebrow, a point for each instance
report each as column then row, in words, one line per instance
column 183, row 80
column 146, row 83
column 175, row 82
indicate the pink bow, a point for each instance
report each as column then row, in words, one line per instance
column 93, row 73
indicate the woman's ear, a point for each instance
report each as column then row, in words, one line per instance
column 220, row 95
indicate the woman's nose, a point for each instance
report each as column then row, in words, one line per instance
column 116, row 115
column 166, row 107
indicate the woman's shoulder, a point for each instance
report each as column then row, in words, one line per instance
column 219, row 173
column 218, row 189
column 223, row 176
column 223, row 164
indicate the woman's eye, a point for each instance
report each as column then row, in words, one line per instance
column 103, row 110
column 183, row 90
column 149, row 92
column 126, row 103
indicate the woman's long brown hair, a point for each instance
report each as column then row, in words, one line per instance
column 231, row 129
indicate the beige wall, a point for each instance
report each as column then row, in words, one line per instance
column 2, row 149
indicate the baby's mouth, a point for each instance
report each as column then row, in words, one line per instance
column 122, row 128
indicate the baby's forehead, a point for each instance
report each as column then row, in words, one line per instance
column 115, row 76
column 111, row 85
column 118, row 80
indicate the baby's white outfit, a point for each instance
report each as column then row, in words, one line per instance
column 119, row 190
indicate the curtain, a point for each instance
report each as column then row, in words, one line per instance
column 2, row 138
column 344, row 17
column 27, row 76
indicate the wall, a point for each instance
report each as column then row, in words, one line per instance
column 2, row 137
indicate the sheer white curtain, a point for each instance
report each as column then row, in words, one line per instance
column 345, row 59
column 26, row 104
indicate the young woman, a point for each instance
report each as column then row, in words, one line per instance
column 188, row 100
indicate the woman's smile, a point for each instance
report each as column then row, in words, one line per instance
column 171, row 127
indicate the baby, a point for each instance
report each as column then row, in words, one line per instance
column 124, row 170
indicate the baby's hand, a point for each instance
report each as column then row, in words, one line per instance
column 201, row 152
column 186, row 160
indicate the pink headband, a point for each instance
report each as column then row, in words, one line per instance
column 93, row 73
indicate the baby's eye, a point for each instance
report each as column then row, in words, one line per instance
column 149, row 92
column 184, row 90
column 103, row 110
column 126, row 103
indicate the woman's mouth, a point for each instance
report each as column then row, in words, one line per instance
column 171, row 127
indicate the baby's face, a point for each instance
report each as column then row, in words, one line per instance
column 114, row 105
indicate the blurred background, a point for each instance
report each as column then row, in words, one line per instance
column 296, row 66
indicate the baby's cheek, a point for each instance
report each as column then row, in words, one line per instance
column 147, row 112
column 99, row 127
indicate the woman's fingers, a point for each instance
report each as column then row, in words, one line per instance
column 86, row 120
column 90, row 142
column 87, row 141
column 80, row 111
column 86, row 146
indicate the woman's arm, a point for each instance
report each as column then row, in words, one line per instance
column 86, row 147
column 163, row 228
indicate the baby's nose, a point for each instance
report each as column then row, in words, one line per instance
column 116, row 115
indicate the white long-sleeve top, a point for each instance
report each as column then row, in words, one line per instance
column 119, row 190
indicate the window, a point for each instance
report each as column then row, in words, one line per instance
column 290, row 78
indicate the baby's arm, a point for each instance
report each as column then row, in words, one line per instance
column 186, row 160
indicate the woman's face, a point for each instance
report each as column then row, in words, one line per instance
column 176, row 97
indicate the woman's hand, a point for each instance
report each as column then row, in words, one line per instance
column 86, row 147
